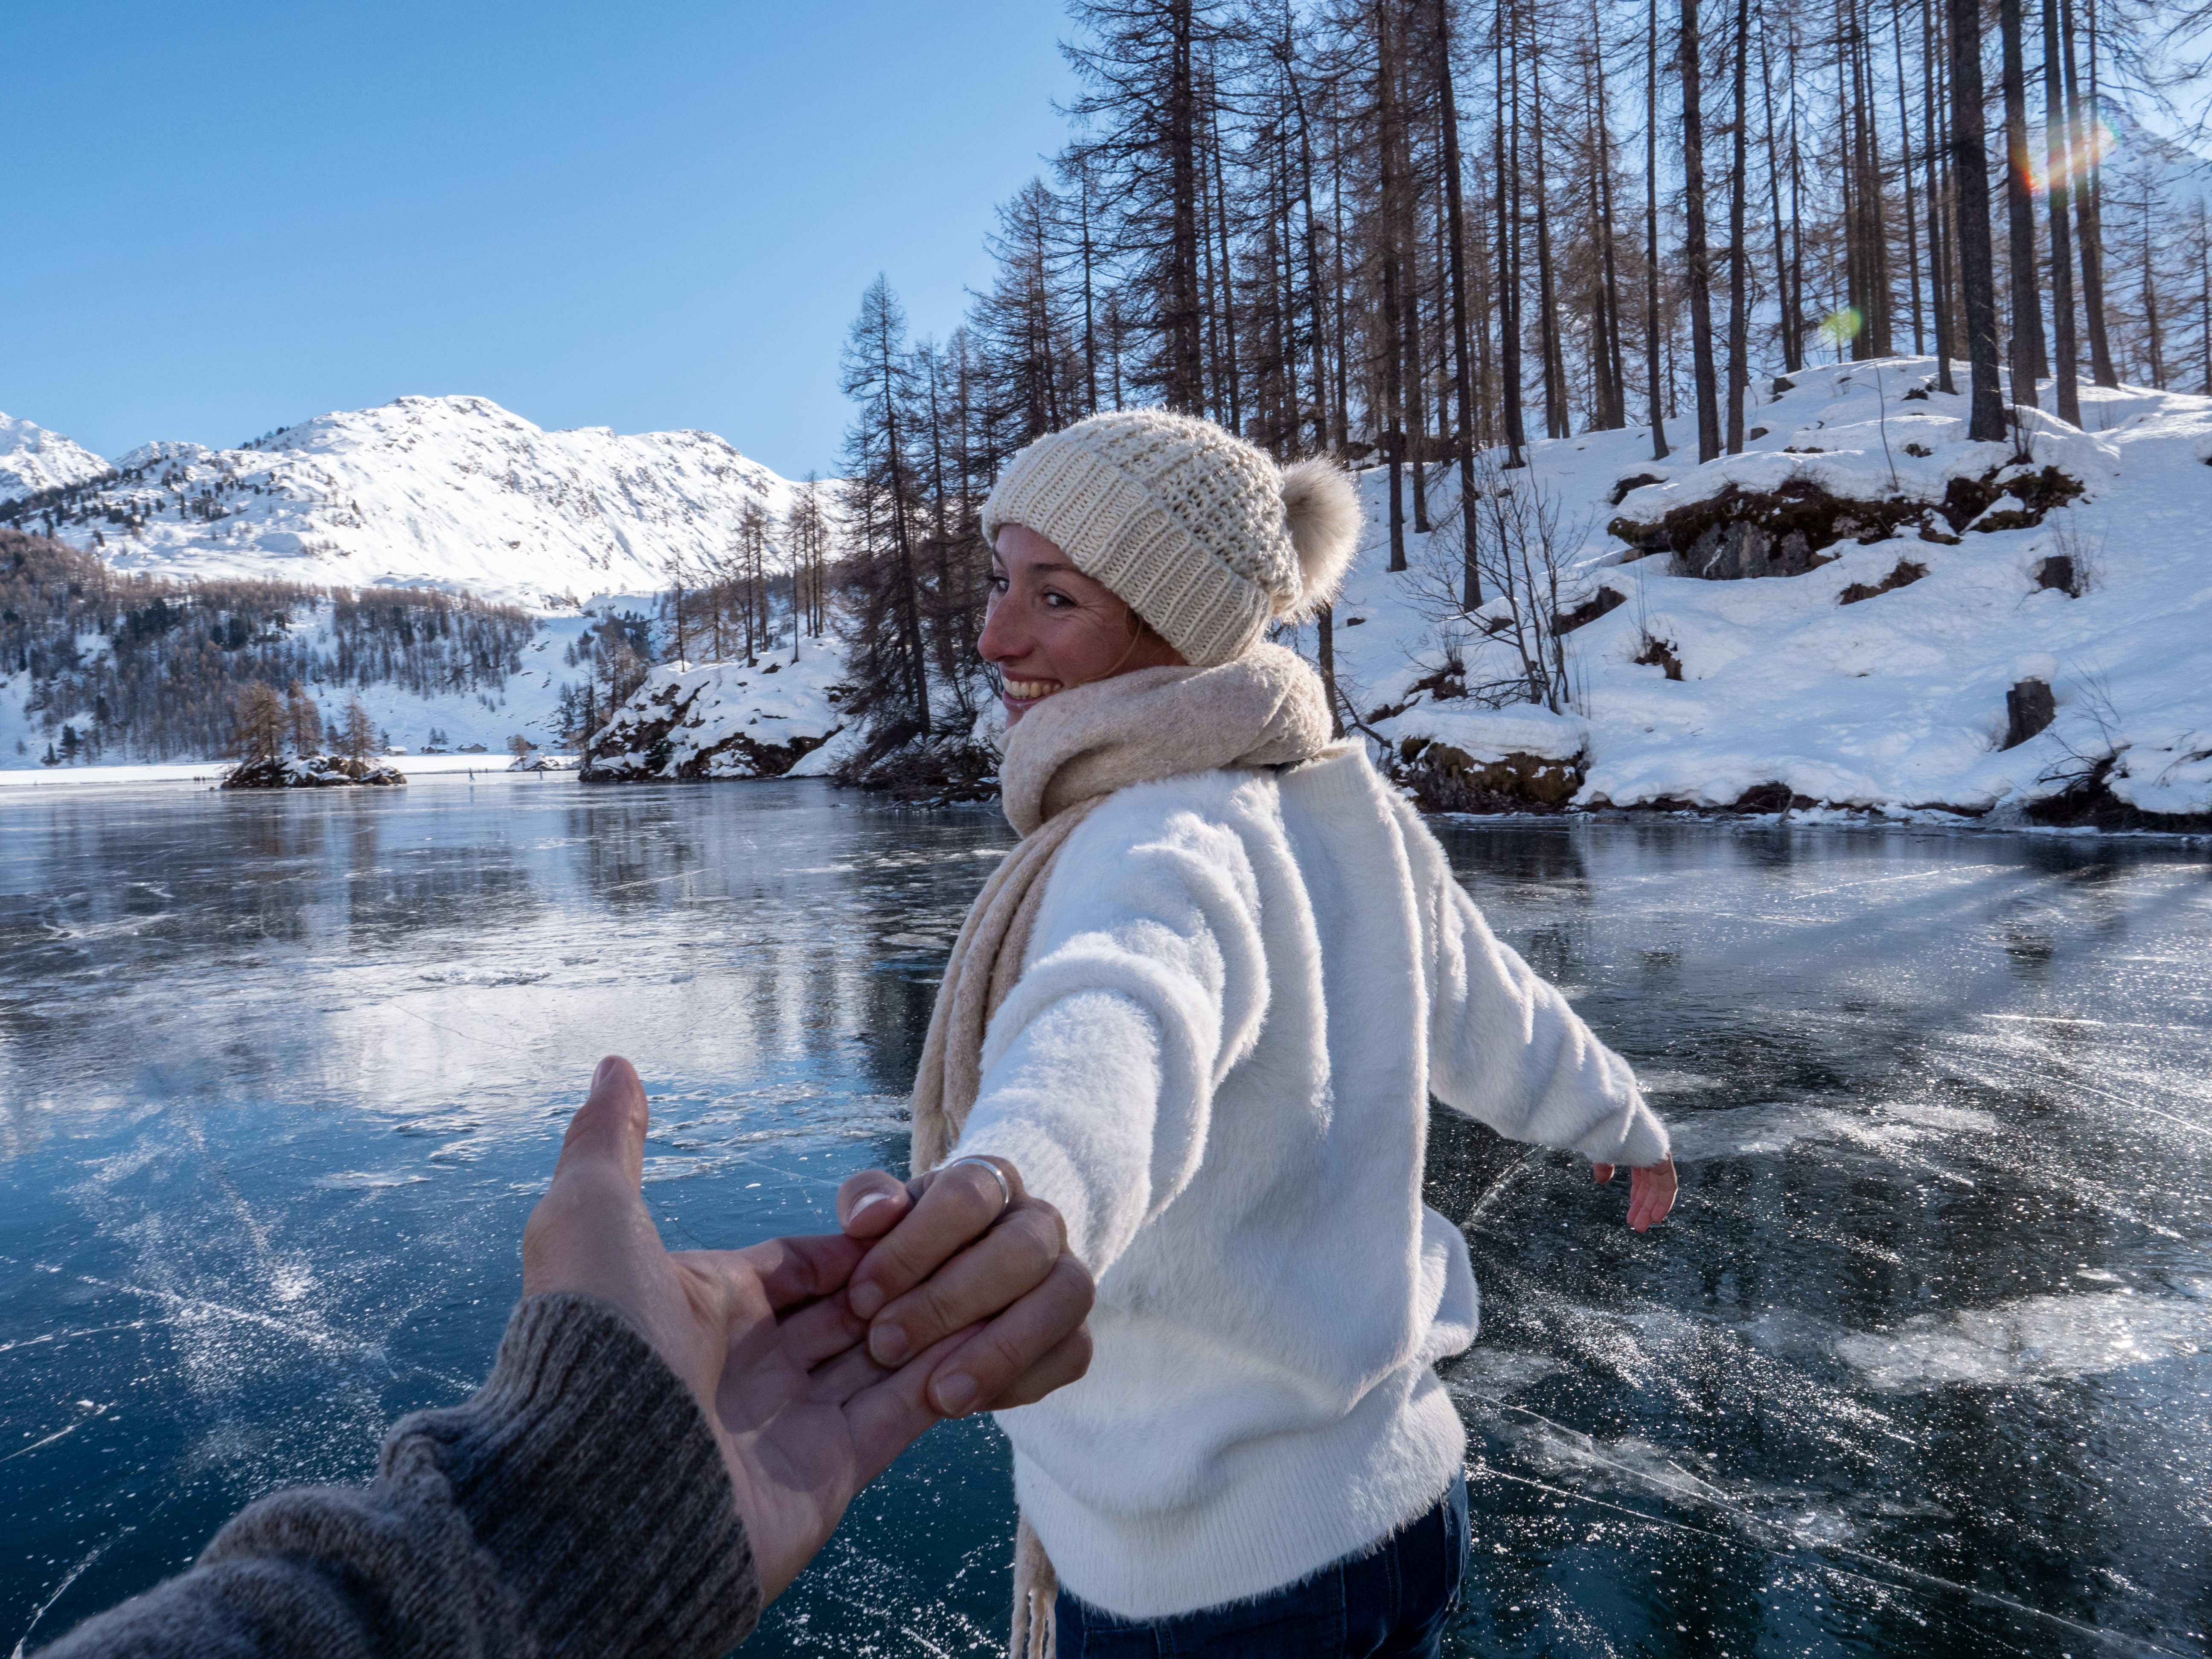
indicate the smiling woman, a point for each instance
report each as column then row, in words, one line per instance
column 1200, row 1009
column 1050, row 627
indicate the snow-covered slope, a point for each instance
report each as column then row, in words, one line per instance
column 448, row 492
column 723, row 720
column 32, row 458
column 1829, row 684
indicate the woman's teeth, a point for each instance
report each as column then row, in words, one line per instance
column 1031, row 690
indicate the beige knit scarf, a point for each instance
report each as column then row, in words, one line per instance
column 1066, row 754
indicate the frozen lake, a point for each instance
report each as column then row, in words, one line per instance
column 1923, row 1363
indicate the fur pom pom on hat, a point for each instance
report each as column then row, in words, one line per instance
column 1203, row 534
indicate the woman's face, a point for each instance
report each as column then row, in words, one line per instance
column 1050, row 626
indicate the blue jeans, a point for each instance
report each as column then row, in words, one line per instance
column 1392, row 1604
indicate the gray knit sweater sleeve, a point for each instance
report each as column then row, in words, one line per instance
column 577, row 1505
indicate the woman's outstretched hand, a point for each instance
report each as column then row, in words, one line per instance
column 763, row 1337
column 952, row 1248
column 1650, row 1191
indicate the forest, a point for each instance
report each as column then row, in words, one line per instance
column 1418, row 234
column 128, row 667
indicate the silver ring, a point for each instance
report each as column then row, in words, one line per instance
column 1006, row 1192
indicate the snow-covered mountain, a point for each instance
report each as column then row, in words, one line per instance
column 1870, row 667
column 454, row 492
column 32, row 458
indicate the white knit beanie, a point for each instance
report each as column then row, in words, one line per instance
column 1201, row 533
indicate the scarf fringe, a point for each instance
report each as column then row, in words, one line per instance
column 1037, row 1593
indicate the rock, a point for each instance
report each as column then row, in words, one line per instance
column 2029, row 708
column 2057, row 571
column 1904, row 575
column 1446, row 779
column 309, row 772
column 1589, row 611
column 1737, row 534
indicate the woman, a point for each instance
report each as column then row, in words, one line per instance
column 1200, row 1009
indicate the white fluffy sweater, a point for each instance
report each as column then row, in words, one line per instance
column 1240, row 991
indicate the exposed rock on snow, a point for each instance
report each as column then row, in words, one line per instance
column 1477, row 760
column 719, row 720
column 444, row 492
column 309, row 772
column 34, row 460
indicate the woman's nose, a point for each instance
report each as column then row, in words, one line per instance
column 1000, row 640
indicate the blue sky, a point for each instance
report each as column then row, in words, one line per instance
column 228, row 217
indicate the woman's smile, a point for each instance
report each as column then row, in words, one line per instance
column 1030, row 690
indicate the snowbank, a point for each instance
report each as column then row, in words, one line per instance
column 720, row 721
column 1877, row 679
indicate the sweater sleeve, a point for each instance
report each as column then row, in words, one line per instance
column 1504, row 1046
column 577, row 1504
column 1145, row 981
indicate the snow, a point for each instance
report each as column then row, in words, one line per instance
column 451, row 492
column 527, row 702
column 32, row 458
column 1894, row 702
column 719, row 717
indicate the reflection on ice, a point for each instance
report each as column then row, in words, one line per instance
column 2036, row 1340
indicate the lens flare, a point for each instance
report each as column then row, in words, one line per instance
column 1839, row 327
column 2063, row 160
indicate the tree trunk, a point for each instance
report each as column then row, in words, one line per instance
column 1788, row 329
column 1229, row 370
column 1651, row 367
column 1386, row 144
column 1408, row 241
column 1455, row 259
column 1313, row 263
column 1739, row 369
column 1940, row 217
column 2066, row 370
column 1509, row 237
column 1547, row 320
column 1905, row 174
column 1700, row 271
column 2029, row 358
column 2087, row 195
column 1970, row 187
column 1185, row 388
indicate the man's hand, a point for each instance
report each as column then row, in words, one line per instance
column 1650, row 1191
column 762, row 1336
column 952, row 1247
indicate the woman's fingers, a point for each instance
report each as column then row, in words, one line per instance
column 1011, row 1260
column 962, row 1202
column 872, row 1202
column 885, row 1417
column 1603, row 1172
column 1063, row 1365
column 1004, row 1364
column 1651, row 1194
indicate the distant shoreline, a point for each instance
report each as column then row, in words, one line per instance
column 211, row 772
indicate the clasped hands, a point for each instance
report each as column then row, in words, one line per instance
column 817, row 1360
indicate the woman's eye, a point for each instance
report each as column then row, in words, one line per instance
column 1057, row 601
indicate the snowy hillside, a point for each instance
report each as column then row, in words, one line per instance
column 446, row 492
column 723, row 720
column 32, row 459
column 1878, row 676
